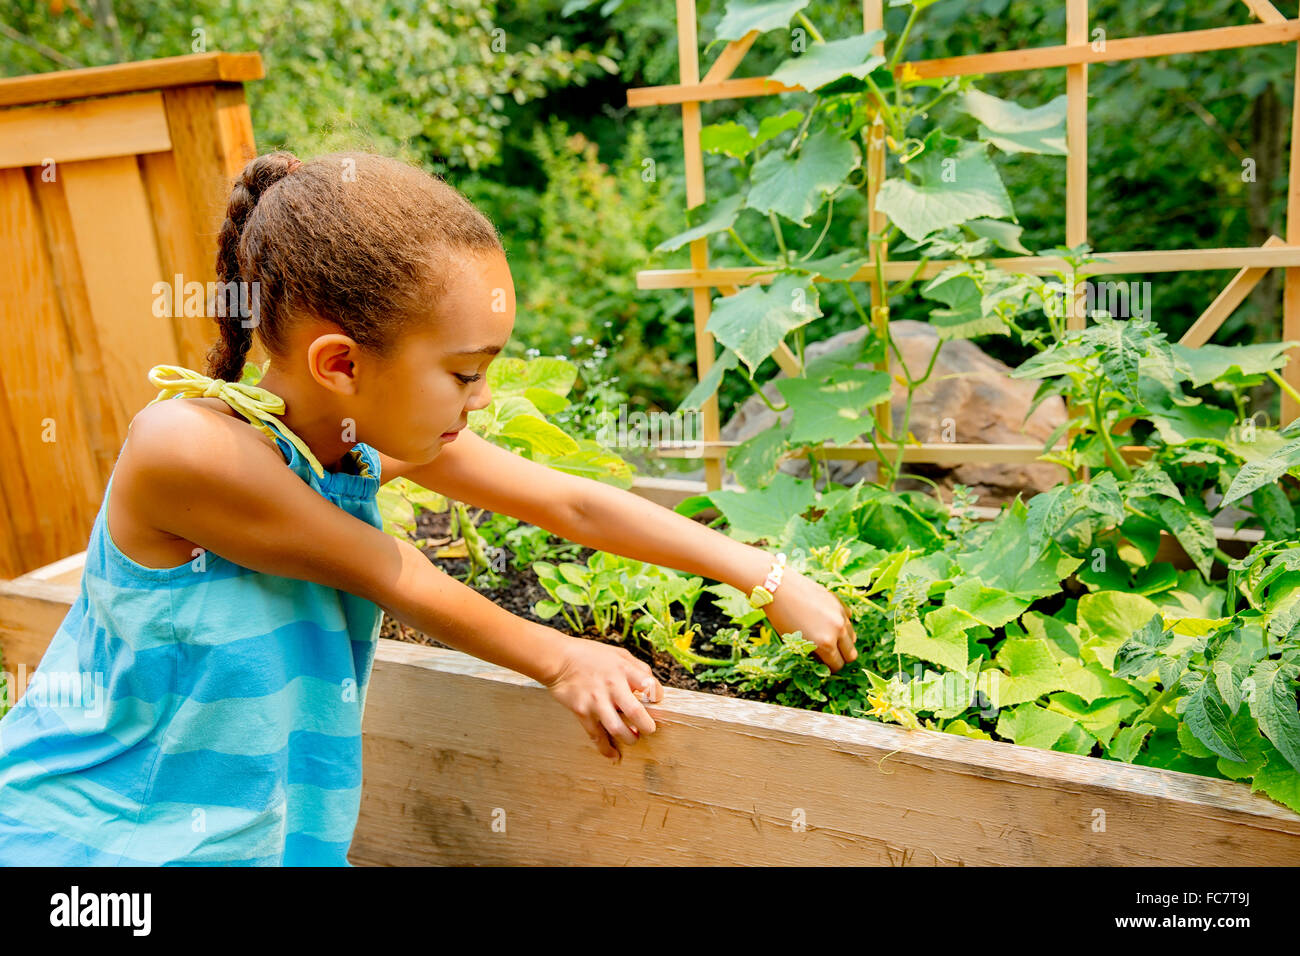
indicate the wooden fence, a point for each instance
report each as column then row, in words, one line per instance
column 117, row 181
column 1075, row 56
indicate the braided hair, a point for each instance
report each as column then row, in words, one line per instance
column 362, row 240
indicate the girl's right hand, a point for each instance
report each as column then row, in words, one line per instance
column 598, row 681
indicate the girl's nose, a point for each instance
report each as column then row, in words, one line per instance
column 481, row 399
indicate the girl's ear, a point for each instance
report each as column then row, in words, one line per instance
column 332, row 359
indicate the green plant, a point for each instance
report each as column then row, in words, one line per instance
column 524, row 543
column 611, row 586
column 571, row 585
column 525, row 393
column 1051, row 626
column 945, row 196
column 667, row 632
column 577, row 282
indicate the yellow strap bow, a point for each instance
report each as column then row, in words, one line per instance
column 254, row 403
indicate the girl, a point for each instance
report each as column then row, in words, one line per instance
column 237, row 573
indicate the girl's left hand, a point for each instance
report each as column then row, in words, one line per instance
column 801, row 604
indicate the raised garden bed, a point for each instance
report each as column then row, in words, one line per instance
column 470, row 763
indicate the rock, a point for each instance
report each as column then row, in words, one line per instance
column 970, row 397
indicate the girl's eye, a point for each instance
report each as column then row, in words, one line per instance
column 469, row 379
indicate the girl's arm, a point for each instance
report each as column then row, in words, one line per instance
column 210, row 480
column 592, row 513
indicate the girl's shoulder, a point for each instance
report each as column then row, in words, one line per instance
column 214, row 405
column 174, row 433
column 196, row 426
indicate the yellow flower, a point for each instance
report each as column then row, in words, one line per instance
column 880, row 707
column 910, row 73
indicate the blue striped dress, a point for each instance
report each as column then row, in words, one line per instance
column 205, row 714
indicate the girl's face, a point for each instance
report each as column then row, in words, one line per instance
column 439, row 372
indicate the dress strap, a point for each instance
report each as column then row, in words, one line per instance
column 256, row 404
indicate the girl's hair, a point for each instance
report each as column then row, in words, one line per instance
column 363, row 240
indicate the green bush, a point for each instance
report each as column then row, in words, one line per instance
column 574, row 251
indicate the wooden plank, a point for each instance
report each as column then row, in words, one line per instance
column 182, row 251
column 688, row 64
column 1076, row 163
column 49, row 464
column 1130, row 48
column 456, row 748
column 119, row 259
column 787, row 360
column 1233, row 294
column 12, row 559
column 673, row 94
column 1291, row 284
column 670, row 492
column 63, row 571
column 873, row 18
column 234, row 127
column 30, row 614
column 171, row 71
column 1076, row 173
column 212, row 137
column 1115, row 50
column 1118, row 263
column 89, row 129
column 730, row 58
column 1265, row 11
column 947, row 454
column 213, row 142
column 101, row 425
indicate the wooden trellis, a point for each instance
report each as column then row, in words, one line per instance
column 1074, row 56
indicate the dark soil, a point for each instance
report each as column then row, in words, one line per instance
column 520, row 590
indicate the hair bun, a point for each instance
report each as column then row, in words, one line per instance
column 264, row 172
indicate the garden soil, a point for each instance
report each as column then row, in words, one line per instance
column 519, row 591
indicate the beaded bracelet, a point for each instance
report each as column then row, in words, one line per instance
column 763, row 594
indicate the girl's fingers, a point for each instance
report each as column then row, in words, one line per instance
column 646, row 686
column 613, row 723
column 597, row 733
column 847, row 650
column 632, row 710
column 831, row 656
column 849, row 641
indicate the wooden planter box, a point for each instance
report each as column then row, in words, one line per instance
column 470, row 763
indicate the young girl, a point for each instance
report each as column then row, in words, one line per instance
column 237, row 573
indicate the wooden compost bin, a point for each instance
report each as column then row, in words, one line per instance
column 470, row 763
column 112, row 179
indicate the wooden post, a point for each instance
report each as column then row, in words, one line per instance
column 688, row 62
column 1291, row 288
column 873, row 18
column 1076, row 164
